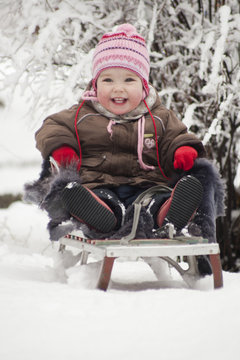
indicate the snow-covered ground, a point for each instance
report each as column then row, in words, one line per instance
column 48, row 314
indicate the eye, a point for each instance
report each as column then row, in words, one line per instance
column 129, row 79
column 107, row 80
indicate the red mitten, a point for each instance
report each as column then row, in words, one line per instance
column 65, row 155
column 184, row 158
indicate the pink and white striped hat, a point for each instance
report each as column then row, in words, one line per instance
column 124, row 48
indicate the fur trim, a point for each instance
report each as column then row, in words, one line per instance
column 46, row 193
column 57, row 230
column 36, row 191
column 213, row 185
column 46, row 187
column 212, row 204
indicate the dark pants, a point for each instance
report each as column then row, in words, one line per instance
column 127, row 195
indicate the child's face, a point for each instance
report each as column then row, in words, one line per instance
column 119, row 90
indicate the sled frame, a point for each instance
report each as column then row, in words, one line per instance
column 148, row 249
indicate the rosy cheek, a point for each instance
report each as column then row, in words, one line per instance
column 101, row 92
column 137, row 98
column 103, row 99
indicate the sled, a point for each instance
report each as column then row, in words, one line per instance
column 150, row 250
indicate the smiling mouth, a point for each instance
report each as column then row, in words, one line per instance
column 119, row 100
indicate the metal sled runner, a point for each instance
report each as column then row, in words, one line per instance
column 169, row 250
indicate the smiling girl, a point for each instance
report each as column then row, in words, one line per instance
column 120, row 141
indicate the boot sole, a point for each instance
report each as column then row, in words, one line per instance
column 186, row 199
column 82, row 205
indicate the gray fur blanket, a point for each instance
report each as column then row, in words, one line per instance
column 46, row 193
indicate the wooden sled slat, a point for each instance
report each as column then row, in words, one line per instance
column 105, row 273
column 217, row 270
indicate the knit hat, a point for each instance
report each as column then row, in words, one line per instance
column 124, row 48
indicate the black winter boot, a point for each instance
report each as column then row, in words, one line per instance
column 88, row 208
column 182, row 204
column 111, row 199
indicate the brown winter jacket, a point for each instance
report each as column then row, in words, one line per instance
column 113, row 160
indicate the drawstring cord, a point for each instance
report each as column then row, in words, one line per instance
column 109, row 127
column 89, row 95
column 156, row 140
column 141, row 124
column 78, row 140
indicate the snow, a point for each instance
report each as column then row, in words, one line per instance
column 45, row 314
column 20, row 161
column 215, row 79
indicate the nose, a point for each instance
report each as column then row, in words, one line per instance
column 118, row 91
column 118, row 86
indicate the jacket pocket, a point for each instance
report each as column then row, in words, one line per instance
column 93, row 162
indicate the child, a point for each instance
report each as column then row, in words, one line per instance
column 118, row 142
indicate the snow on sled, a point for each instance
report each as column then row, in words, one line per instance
column 171, row 250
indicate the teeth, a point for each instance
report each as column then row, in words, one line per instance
column 119, row 100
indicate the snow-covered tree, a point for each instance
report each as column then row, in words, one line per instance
column 46, row 49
